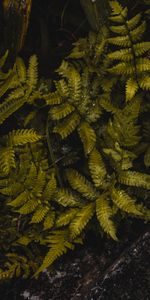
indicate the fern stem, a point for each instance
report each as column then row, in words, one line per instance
column 52, row 156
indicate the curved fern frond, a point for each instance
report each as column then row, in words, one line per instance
column 67, row 126
column 61, row 111
column 49, row 220
column 39, row 183
column 59, row 244
column 28, row 207
column 9, row 189
column 8, row 107
column 81, row 219
column 50, row 188
column 80, row 184
column 22, row 198
column 22, row 136
column 29, row 182
column 7, row 160
column 122, row 54
column 21, row 69
column 133, row 178
column 39, row 214
column 97, row 168
column 131, row 88
column 62, row 88
column 66, row 217
column 117, row 8
column 144, row 82
column 53, row 98
column 104, row 214
column 32, row 73
column 66, row 198
column 88, row 136
column 125, row 202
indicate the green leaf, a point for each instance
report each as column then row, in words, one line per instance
column 97, row 168
column 81, row 219
column 88, row 136
column 104, row 214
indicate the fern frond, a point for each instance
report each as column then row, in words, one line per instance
column 144, row 82
column 124, row 69
column 116, row 7
column 124, row 202
column 50, row 188
column 74, row 82
column 30, row 180
column 7, row 160
column 21, row 199
column 131, row 24
column 136, row 179
column 7, row 83
column 11, row 189
column 53, row 98
column 59, row 244
column 80, row 184
column 24, row 240
column 119, row 18
column 8, row 107
column 143, row 64
column 39, row 183
column 105, row 102
column 66, row 198
column 88, row 136
column 134, row 21
column 29, row 206
column 119, row 29
column 39, row 214
column 62, row 88
column 141, row 48
column 122, row 41
column 67, row 126
column 81, row 219
column 138, row 32
column 97, row 168
column 21, row 69
column 32, row 73
column 122, row 54
column 66, row 217
column 104, row 214
column 131, row 88
column 49, row 220
column 15, row 94
column 22, row 136
column 61, row 111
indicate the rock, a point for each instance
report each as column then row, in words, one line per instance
column 128, row 277
column 102, row 270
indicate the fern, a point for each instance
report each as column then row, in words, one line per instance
column 124, row 202
column 65, row 198
column 97, row 168
column 88, row 137
column 133, row 178
column 52, row 190
column 23, row 136
column 80, row 184
column 81, row 219
column 58, row 245
column 104, row 215
column 129, row 60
